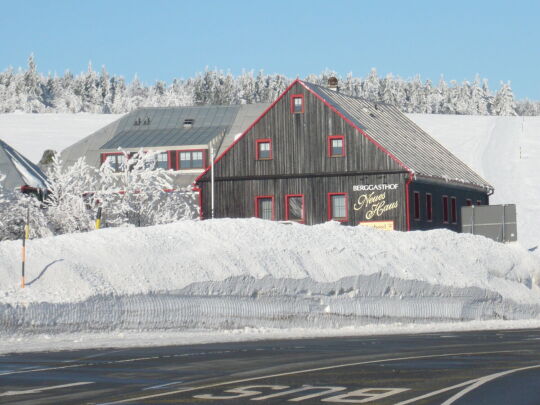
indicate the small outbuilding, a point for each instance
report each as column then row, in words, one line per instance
column 317, row 154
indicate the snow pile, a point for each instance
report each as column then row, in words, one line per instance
column 227, row 274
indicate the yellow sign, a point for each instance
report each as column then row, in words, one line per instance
column 384, row 225
column 375, row 204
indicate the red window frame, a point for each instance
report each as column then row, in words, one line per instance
column 303, row 219
column 416, row 205
column 190, row 150
column 329, row 207
column 263, row 197
column 329, row 145
column 297, row 96
column 258, row 142
column 445, row 209
column 106, row 154
column 453, row 209
column 429, row 207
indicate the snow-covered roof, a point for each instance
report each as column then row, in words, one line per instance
column 385, row 124
column 17, row 171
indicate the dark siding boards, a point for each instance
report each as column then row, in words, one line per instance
column 300, row 144
column 438, row 191
column 237, row 197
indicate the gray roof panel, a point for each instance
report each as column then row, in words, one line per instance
column 400, row 136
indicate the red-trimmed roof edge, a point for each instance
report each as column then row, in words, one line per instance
column 248, row 129
column 369, row 138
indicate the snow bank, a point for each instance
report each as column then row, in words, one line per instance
column 229, row 274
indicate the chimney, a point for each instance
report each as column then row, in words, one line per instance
column 333, row 83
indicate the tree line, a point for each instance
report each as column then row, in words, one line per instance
column 30, row 91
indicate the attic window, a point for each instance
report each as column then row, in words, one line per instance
column 297, row 103
column 188, row 122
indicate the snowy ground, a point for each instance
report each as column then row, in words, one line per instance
column 249, row 279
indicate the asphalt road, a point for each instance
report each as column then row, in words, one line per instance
column 491, row 367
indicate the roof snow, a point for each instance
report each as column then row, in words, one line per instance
column 17, row 170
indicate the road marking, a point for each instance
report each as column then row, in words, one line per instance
column 38, row 390
column 431, row 356
column 472, row 385
column 483, row 381
column 155, row 387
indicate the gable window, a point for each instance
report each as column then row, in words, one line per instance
column 453, row 209
column 429, row 207
column 297, row 103
column 337, row 207
column 263, row 149
column 294, row 207
column 191, row 159
column 264, row 207
column 416, row 205
column 445, row 208
column 336, row 146
column 115, row 160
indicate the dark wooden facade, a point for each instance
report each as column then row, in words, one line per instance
column 377, row 186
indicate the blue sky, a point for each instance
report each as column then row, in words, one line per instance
column 160, row 40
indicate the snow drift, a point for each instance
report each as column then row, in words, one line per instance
column 228, row 274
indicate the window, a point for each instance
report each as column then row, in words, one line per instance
column 264, row 207
column 294, row 207
column 429, row 207
column 191, row 159
column 162, row 160
column 337, row 207
column 188, row 122
column 336, row 146
column 263, row 149
column 297, row 103
column 445, row 208
column 115, row 160
column 468, row 202
column 453, row 209
column 416, row 205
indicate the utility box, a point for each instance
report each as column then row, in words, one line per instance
column 497, row 222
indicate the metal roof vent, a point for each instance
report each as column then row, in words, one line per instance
column 188, row 122
column 137, row 121
column 146, row 121
column 333, row 83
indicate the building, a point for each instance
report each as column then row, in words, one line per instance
column 17, row 172
column 317, row 154
column 183, row 135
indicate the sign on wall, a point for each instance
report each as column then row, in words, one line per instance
column 375, row 200
column 383, row 225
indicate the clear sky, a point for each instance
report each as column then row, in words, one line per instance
column 160, row 40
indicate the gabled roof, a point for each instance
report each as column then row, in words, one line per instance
column 154, row 127
column 17, row 171
column 400, row 137
column 165, row 128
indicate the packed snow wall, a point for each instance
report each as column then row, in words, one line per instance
column 240, row 302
